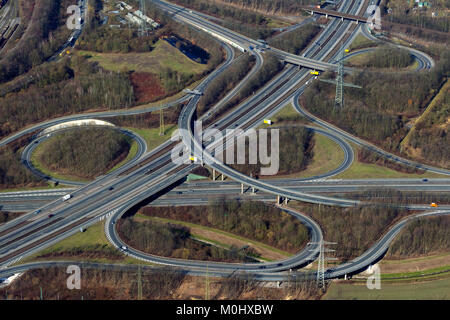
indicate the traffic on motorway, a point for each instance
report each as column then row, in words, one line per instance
column 56, row 214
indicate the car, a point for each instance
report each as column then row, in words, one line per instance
column 262, row 267
column 124, row 248
column 424, row 180
column 111, row 188
column 37, row 211
column 433, row 204
column 50, row 215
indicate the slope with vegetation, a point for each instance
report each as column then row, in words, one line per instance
column 46, row 31
column 172, row 240
column 380, row 110
column 423, row 236
column 297, row 40
column 354, row 229
column 251, row 220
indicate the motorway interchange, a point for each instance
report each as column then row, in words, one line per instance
column 152, row 174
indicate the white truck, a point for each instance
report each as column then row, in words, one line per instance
column 66, row 197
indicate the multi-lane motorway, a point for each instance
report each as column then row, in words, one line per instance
column 153, row 173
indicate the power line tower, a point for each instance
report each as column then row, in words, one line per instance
column 143, row 30
column 161, row 122
column 339, row 82
column 139, row 283
column 321, row 267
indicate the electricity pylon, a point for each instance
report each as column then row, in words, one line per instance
column 320, row 278
column 161, row 122
column 339, row 82
column 143, row 31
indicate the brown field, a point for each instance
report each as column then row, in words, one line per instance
column 147, row 87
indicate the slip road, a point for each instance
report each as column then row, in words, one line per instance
column 231, row 309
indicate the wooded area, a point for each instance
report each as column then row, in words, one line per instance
column 387, row 57
column 171, row 240
column 430, row 138
column 354, row 229
column 297, row 40
column 85, row 153
column 380, row 110
column 295, row 152
column 271, row 67
column 91, row 88
column 46, row 32
column 253, row 220
column 12, row 173
column 422, row 236
column 271, row 6
column 122, row 283
column 220, row 86
column 101, row 284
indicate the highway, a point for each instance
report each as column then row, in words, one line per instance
column 25, row 249
column 201, row 192
column 373, row 254
column 96, row 201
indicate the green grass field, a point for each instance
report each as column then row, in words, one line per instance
column 360, row 42
column 359, row 170
column 162, row 56
column 427, row 290
column 152, row 137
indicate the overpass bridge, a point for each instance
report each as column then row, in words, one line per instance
column 334, row 14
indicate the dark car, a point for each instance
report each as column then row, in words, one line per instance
column 424, row 180
column 50, row 215
column 111, row 188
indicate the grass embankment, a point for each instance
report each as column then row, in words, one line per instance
column 224, row 239
column 90, row 245
column 152, row 137
column 359, row 170
column 162, row 56
column 327, row 155
column 365, row 59
column 131, row 154
column 360, row 42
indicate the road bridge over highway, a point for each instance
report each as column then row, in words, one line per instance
column 335, row 14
